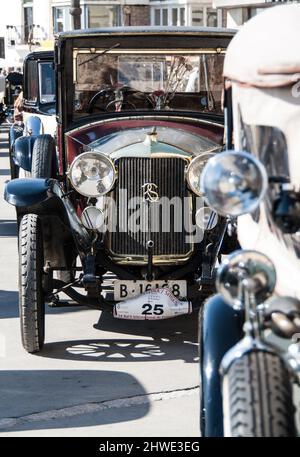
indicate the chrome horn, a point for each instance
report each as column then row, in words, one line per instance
column 246, row 272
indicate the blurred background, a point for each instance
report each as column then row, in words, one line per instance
column 30, row 25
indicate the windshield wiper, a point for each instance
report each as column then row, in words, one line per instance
column 100, row 54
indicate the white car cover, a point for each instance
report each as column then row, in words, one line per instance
column 263, row 66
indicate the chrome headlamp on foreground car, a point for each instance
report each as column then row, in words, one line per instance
column 258, row 287
column 118, row 217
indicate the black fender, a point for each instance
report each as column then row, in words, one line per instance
column 22, row 152
column 26, row 192
column 220, row 328
column 35, row 196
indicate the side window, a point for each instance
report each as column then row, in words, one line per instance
column 31, row 81
column 47, row 82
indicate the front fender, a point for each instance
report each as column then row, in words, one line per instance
column 22, row 152
column 33, row 126
column 15, row 132
column 220, row 328
column 26, row 192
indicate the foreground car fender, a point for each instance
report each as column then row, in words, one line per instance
column 220, row 328
column 26, row 192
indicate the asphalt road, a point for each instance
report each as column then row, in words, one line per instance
column 96, row 376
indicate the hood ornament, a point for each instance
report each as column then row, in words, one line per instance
column 150, row 193
column 151, row 137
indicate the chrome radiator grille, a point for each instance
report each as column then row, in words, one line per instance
column 167, row 175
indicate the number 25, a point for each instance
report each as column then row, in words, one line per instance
column 150, row 309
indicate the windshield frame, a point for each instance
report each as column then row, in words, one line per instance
column 137, row 39
column 154, row 53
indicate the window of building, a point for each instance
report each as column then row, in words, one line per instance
column 103, row 16
column 182, row 16
column 61, row 19
column 198, row 17
column 157, row 16
column 165, row 16
column 205, row 16
column 172, row 16
column 251, row 12
column 212, row 17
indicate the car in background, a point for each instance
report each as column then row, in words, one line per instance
column 38, row 110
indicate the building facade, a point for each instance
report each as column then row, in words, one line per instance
column 236, row 12
column 31, row 24
column 198, row 13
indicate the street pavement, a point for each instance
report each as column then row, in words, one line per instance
column 96, row 376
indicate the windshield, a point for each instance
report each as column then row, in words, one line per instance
column 47, row 82
column 128, row 81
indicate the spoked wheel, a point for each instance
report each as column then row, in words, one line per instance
column 257, row 397
column 31, row 295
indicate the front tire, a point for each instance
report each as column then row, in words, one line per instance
column 257, row 397
column 31, row 295
column 43, row 157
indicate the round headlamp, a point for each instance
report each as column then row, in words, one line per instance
column 234, row 183
column 194, row 171
column 92, row 174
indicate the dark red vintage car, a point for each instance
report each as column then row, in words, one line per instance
column 114, row 215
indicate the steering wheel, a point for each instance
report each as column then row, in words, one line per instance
column 109, row 99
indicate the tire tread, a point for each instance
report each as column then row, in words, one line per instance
column 31, row 303
column 259, row 394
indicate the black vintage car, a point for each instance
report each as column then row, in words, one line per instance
column 114, row 215
column 38, row 110
column 39, row 84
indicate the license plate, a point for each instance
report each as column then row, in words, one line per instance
column 153, row 305
column 128, row 289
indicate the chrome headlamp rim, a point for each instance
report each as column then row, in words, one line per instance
column 106, row 159
column 209, row 155
column 263, row 175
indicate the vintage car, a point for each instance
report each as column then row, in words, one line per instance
column 250, row 332
column 38, row 111
column 116, row 218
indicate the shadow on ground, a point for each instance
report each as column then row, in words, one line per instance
column 5, row 172
column 8, row 304
column 8, row 227
column 28, row 392
column 175, row 339
column 4, row 144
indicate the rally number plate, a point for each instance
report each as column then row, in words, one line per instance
column 129, row 289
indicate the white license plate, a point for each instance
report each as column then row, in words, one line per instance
column 128, row 289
